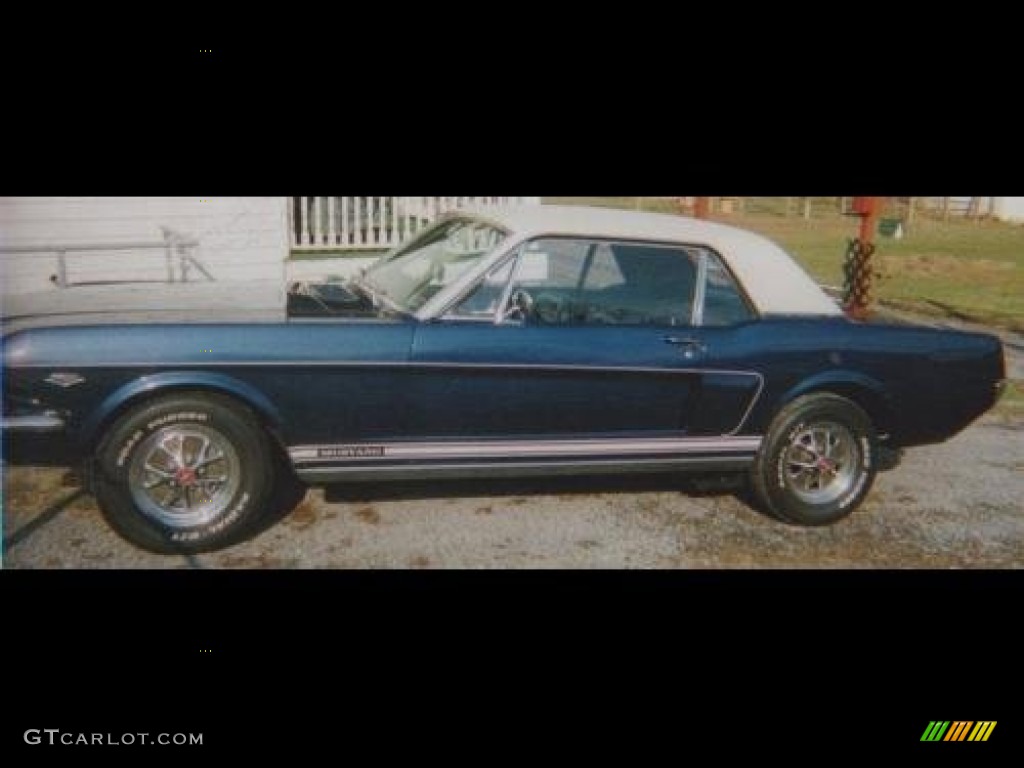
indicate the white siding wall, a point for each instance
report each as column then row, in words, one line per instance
column 240, row 238
column 1010, row 208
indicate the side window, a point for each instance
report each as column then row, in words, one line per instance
column 723, row 302
column 560, row 281
column 575, row 282
column 657, row 287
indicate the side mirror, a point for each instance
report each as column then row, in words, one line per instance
column 520, row 306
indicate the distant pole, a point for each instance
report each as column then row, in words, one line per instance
column 701, row 207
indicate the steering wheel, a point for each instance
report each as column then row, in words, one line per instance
column 548, row 308
column 520, row 306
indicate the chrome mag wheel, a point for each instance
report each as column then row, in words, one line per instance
column 821, row 462
column 184, row 476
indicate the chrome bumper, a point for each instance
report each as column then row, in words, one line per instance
column 33, row 422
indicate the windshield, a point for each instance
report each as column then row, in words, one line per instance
column 410, row 276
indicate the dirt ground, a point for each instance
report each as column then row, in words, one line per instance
column 954, row 505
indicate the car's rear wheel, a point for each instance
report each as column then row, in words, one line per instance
column 185, row 473
column 818, row 461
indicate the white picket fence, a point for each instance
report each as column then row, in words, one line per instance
column 372, row 223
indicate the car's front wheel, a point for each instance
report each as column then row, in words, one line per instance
column 818, row 461
column 184, row 473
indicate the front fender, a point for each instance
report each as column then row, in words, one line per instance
column 146, row 387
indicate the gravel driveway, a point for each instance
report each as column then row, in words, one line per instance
column 954, row 505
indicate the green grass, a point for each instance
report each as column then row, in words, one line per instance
column 1011, row 404
column 971, row 270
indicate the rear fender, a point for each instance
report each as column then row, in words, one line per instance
column 867, row 392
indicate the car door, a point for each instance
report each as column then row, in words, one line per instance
column 580, row 339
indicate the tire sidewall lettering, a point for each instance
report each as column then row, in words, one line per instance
column 180, row 416
column 216, row 527
column 163, row 421
column 866, row 462
column 126, row 449
column 865, row 451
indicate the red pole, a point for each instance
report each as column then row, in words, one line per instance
column 869, row 219
column 701, row 207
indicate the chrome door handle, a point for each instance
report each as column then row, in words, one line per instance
column 684, row 341
column 690, row 347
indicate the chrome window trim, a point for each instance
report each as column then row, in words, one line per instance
column 444, row 300
column 700, row 290
column 501, row 315
column 497, row 317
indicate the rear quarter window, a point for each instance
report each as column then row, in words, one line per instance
column 724, row 302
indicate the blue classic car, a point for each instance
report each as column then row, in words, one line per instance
column 517, row 342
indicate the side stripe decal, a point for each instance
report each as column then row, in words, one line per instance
column 509, row 449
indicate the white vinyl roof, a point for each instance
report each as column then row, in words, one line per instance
column 772, row 279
